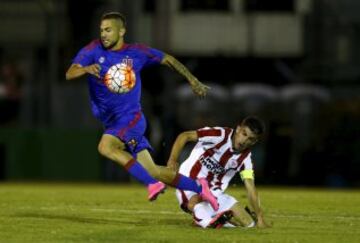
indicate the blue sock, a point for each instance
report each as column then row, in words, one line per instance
column 139, row 173
column 186, row 183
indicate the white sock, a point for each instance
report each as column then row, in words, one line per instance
column 251, row 225
column 204, row 212
column 229, row 225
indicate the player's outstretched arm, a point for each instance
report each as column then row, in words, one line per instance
column 181, row 140
column 255, row 202
column 198, row 88
column 76, row 71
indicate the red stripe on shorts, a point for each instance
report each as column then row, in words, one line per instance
column 132, row 123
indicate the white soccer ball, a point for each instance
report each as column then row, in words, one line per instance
column 120, row 78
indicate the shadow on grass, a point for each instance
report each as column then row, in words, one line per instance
column 73, row 218
column 174, row 221
column 136, row 221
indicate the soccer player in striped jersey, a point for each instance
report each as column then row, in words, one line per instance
column 113, row 69
column 219, row 154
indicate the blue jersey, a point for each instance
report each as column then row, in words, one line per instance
column 118, row 91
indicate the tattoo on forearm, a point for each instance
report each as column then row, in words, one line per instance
column 179, row 67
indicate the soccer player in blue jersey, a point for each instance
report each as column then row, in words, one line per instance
column 113, row 69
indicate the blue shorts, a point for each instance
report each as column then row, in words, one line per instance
column 130, row 129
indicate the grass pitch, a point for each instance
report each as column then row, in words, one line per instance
column 120, row 213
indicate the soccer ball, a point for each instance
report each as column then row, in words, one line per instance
column 120, row 78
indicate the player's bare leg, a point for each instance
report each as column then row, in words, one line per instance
column 236, row 215
column 162, row 173
column 173, row 178
column 146, row 170
column 241, row 217
column 114, row 149
column 193, row 201
column 156, row 188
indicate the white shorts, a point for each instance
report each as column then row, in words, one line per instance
column 225, row 201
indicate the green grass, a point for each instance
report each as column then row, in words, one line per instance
column 120, row 213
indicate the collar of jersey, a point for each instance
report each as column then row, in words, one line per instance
column 123, row 47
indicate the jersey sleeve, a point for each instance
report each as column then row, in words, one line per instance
column 247, row 171
column 210, row 136
column 152, row 56
column 85, row 56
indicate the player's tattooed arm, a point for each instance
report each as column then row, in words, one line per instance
column 76, row 71
column 180, row 142
column 198, row 88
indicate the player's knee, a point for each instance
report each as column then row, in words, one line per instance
column 109, row 145
column 193, row 201
column 104, row 149
column 191, row 205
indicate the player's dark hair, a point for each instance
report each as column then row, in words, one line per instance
column 256, row 125
column 114, row 15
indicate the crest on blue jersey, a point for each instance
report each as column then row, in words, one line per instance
column 128, row 61
column 132, row 143
column 101, row 59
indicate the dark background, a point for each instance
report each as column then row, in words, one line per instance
column 293, row 63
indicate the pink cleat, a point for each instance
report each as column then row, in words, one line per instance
column 207, row 195
column 155, row 189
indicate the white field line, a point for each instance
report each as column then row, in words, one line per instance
column 182, row 213
column 165, row 212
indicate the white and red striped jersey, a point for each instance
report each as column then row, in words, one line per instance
column 213, row 158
